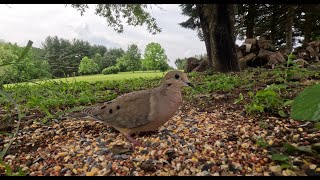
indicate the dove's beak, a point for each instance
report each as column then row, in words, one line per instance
column 189, row 84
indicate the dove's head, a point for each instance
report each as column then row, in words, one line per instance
column 176, row 79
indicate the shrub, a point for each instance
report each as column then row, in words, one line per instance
column 88, row 66
column 111, row 70
column 267, row 100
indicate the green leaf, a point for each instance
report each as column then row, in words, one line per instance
column 239, row 99
column 25, row 51
column 8, row 170
column 289, row 148
column 36, row 102
column 285, row 166
column 279, row 157
column 258, row 108
column 291, row 57
column 317, row 125
column 306, row 105
column 289, row 102
column 20, row 173
column 282, row 113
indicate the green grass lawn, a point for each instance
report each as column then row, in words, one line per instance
column 119, row 76
column 101, row 77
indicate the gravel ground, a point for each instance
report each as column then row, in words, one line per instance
column 221, row 142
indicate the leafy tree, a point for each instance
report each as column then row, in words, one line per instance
column 281, row 23
column 246, row 19
column 193, row 22
column 7, row 59
column 121, row 64
column 79, row 49
column 57, row 51
column 97, row 49
column 88, row 66
column 163, row 66
column 13, row 70
column 111, row 56
column 216, row 21
column 133, row 14
column 64, row 56
column 132, row 58
column 307, row 21
column 98, row 60
column 38, row 53
column 180, row 63
column 154, row 56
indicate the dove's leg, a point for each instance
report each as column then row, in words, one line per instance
column 134, row 142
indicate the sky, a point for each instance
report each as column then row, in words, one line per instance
column 23, row 22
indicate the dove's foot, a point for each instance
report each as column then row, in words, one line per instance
column 134, row 142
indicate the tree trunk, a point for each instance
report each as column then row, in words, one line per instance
column 273, row 23
column 250, row 20
column 289, row 27
column 205, row 30
column 222, row 42
column 307, row 25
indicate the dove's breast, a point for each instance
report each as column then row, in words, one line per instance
column 162, row 109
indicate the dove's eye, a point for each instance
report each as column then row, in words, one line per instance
column 177, row 76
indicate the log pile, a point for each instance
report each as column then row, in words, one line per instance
column 255, row 53
column 260, row 52
column 311, row 52
column 196, row 65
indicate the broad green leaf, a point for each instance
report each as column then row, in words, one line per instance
column 306, row 105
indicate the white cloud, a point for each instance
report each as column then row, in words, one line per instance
column 23, row 22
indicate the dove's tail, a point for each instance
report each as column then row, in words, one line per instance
column 84, row 113
column 79, row 112
column 77, row 115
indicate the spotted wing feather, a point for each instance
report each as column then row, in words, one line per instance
column 127, row 111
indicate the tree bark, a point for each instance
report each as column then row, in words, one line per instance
column 289, row 27
column 222, row 42
column 273, row 24
column 307, row 24
column 250, row 20
column 205, row 30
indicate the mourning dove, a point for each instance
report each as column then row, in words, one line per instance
column 143, row 110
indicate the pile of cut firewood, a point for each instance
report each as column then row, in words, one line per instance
column 309, row 52
column 260, row 52
column 257, row 53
